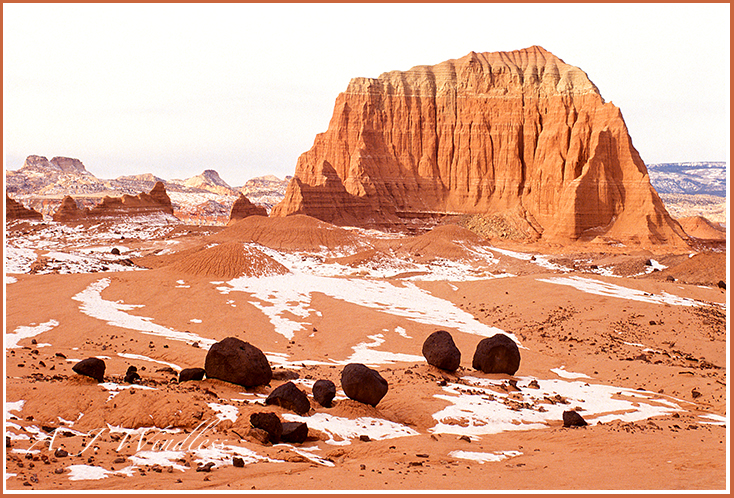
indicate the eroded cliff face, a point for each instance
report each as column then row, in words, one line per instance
column 14, row 210
column 520, row 132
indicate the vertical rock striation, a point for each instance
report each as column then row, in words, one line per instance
column 520, row 133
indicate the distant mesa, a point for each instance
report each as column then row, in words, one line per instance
column 14, row 210
column 210, row 180
column 520, row 133
column 156, row 202
column 242, row 208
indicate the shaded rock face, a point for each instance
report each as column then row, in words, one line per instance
column 497, row 354
column 268, row 422
column 239, row 362
column 294, row 432
column 242, row 208
column 91, row 367
column 521, row 133
column 188, row 374
column 363, row 384
column 440, row 351
column 323, row 392
column 14, row 210
column 154, row 203
column 289, row 397
column 571, row 418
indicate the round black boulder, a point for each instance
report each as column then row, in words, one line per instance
column 188, row 374
column 721, row 284
column 239, row 362
column 294, row 432
column 497, row 354
column 440, row 351
column 324, row 392
column 363, row 384
column 91, row 367
column 270, row 423
column 289, row 397
column 572, row 419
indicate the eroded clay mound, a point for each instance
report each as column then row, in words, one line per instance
column 701, row 228
column 295, row 233
column 14, row 210
column 227, row 260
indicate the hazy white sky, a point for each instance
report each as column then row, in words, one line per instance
column 173, row 89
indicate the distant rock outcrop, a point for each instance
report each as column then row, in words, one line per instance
column 242, row 208
column 60, row 175
column 210, row 181
column 520, row 132
column 14, row 210
column 156, row 202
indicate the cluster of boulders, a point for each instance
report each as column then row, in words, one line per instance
column 496, row 354
column 236, row 361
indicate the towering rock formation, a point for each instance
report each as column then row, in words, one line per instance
column 14, row 210
column 242, row 208
column 521, row 133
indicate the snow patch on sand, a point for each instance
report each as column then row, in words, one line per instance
column 340, row 430
column 25, row 332
column 600, row 288
column 290, row 294
column 363, row 353
column 482, row 457
column 114, row 313
column 494, row 410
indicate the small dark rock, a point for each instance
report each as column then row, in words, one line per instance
column 534, row 384
column 61, row 453
column 91, row 367
column 670, row 278
column 440, row 351
column 238, row 462
column 294, row 432
column 285, row 374
column 648, row 262
column 365, row 438
column 572, row 419
column 188, row 374
column 269, row 422
column 497, row 354
column 131, row 376
column 363, row 384
column 115, row 251
column 721, row 284
column 324, row 392
column 207, row 467
column 695, row 393
column 239, row 362
column 289, row 397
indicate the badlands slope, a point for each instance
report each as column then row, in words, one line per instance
column 642, row 357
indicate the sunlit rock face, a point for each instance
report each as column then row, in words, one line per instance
column 518, row 133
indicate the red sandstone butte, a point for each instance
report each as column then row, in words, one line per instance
column 242, row 208
column 518, row 133
column 14, row 210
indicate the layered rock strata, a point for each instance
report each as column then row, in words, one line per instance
column 14, row 210
column 518, row 133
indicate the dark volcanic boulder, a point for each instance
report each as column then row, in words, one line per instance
column 289, row 397
column 188, row 374
column 721, row 284
column 572, row 419
column 294, row 432
column 239, row 362
column 270, row 423
column 91, row 367
column 131, row 376
column 440, row 351
column 363, row 384
column 497, row 354
column 324, row 392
